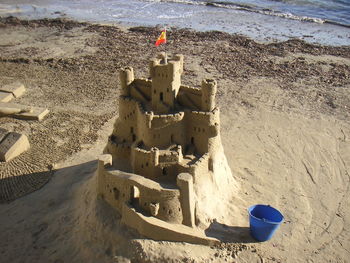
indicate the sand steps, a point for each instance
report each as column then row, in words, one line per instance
column 22, row 112
column 18, row 176
column 12, row 144
column 11, row 91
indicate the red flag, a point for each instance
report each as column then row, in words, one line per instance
column 162, row 38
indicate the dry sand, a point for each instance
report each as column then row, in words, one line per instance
column 285, row 111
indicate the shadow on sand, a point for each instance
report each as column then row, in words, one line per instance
column 229, row 234
column 14, row 187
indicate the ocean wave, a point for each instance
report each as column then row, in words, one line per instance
column 174, row 16
column 254, row 9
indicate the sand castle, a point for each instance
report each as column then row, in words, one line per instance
column 164, row 157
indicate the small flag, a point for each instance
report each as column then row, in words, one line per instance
column 162, row 38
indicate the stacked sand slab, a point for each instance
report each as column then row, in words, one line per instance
column 12, row 144
column 14, row 180
column 22, row 112
column 10, row 91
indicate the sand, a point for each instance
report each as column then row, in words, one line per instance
column 285, row 129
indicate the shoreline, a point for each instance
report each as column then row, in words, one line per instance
column 259, row 27
column 68, row 23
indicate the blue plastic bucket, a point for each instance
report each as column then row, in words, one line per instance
column 264, row 220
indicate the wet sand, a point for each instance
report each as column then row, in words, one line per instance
column 285, row 128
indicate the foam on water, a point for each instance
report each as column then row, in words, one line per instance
column 318, row 11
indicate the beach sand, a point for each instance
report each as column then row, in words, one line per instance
column 285, row 111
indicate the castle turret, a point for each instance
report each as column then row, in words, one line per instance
column 154, row 156
column 166, row 81
column 208, row 94
column 126, row 76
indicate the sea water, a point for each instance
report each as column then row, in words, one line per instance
column 317, row 21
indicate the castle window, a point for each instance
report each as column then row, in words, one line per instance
column 134, row 194
column 161, row 96
column 192, row 140
column 167, row 89
column 146, row 164
column 171, row 138
column 131, row 130
column 133, row 137
column 210, row 165
column 116, row 193
column 164, row 172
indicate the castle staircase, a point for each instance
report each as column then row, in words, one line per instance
column 140, row 94
column 187, row 102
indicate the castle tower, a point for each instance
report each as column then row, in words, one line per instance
column 166, row 81
column 126, row 76
column 208, row 94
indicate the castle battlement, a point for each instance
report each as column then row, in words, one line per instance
column 169, row 134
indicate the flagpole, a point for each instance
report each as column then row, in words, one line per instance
column 165, row 56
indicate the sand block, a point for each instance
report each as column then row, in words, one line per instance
column 36, row 114
column 10, row 109
column 3, row 133
column 5, row 96
column 13, row 145
column 16, row 88
column 22, row 112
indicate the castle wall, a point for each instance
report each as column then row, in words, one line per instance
column 163, row 120
column 118, row 150
column 145, row 85
column 140, row 89
column 190, row 97
column 117, row 188
column 165, row 133
column 169, row 157
column 143, row 162
column 126, row 125
column 201, row 167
